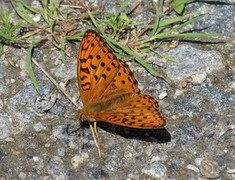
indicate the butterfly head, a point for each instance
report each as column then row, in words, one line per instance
column 84, row 115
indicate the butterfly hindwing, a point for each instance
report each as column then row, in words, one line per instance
column 142, row 111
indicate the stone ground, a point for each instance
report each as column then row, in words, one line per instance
column 40, row 137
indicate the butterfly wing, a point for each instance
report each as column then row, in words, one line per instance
column 141, row 111
column 93, row 68
column 101, row 75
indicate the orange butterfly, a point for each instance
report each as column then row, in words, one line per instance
column 109, row 90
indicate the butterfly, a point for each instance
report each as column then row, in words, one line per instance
column 109, row 90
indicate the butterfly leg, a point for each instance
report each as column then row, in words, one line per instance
column 96, row 133
column 114, row 130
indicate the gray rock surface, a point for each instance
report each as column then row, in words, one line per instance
column 41, row 137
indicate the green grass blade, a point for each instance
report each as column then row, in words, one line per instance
column 65, row 16
column 94, row 21
column 86, row 14
column 161, row 4
column 29, row 66
column 22, row 13
column 5, row 20
column 136, row 57
column 170, row 21
column 36, row 40
column 146, row 65
column 51, row 27
column 111, row 42
column 186, row 23
column 75, row 37
column 167, row 33
column 50, row 14
column 124, row 48
column 190, row 35
column 101, row 30
column 45, row 12
column 156, row 24
column 30, row 8
column 165, row 56
column 124, row 56
column 121, row 8
column 1, row 47
column 62, row 44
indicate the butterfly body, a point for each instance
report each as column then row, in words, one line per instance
column 109, row 90
column 109, row 105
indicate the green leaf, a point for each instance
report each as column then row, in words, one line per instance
column 7, row 32
column 179, row 9
column 179, row 5
column 62, row 43
column 1, row 47
column 29, row 66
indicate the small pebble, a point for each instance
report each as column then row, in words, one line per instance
column 231, row 171
column 162, row 95
column 78, row 159
column 209, row 133
column 55, row 166
column 2, row 70
column 158, row 157
column 36, row 17
column 198, row 78
column 6, row 127
column 192, row 167
column 44, row 103
column 209, row 168
column 155, row 170
column 1, row 104
column 22, row 175
column 3, row 88
column 233, row 85
column 178, row 92
column 36, row 158
column 129, row 152
column 72, row 175
column 96, row 173
column 61, row 151
column 111, row 165
column 38, row 127
column 198, row 161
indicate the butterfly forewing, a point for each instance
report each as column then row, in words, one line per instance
column 124, row 83
column 97, row 67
